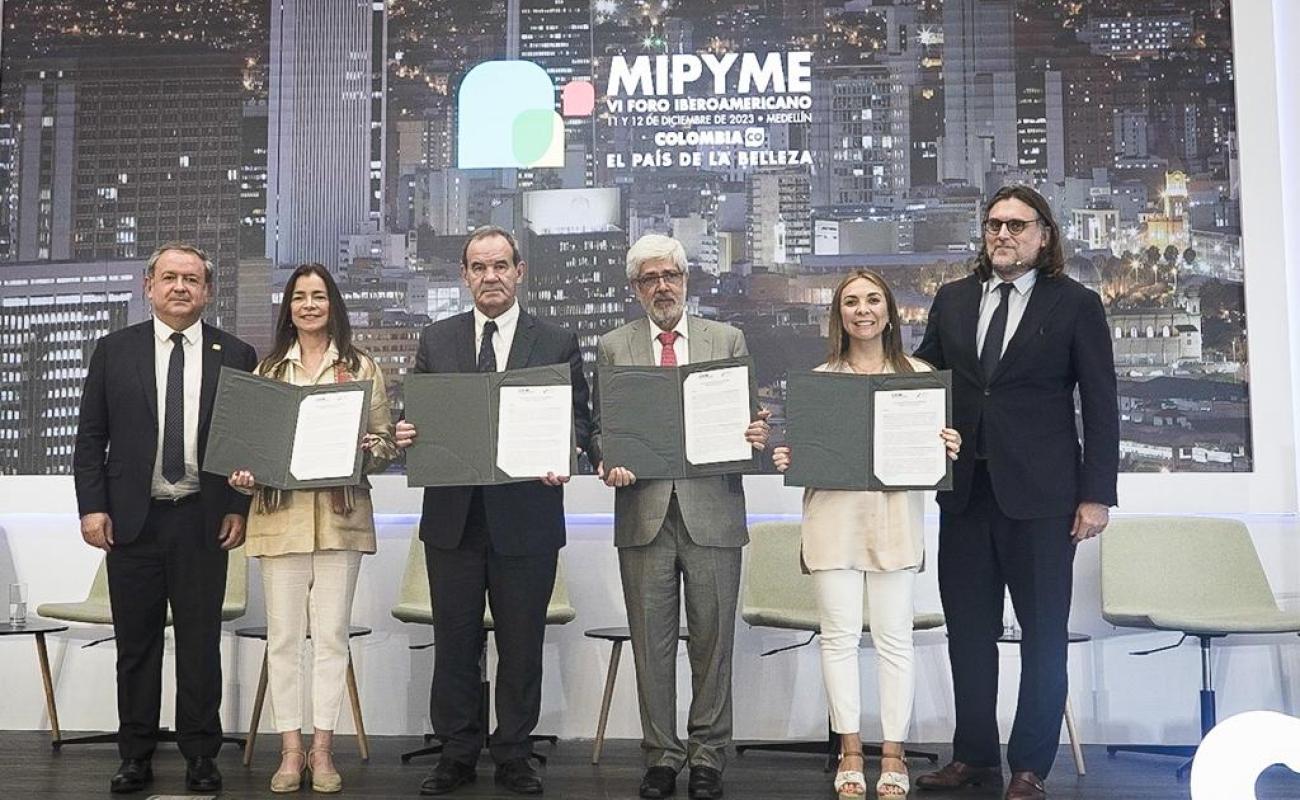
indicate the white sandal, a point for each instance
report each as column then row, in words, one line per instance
column 893, row 780
column 851, row 777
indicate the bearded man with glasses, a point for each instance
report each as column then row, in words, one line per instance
column 1020, row 337
column 675, row 535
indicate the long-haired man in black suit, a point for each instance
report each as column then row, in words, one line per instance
column 1020, row 337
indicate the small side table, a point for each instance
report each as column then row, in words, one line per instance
column 259, row 632
column 37, row 628
column 1075, row 749
column 616, row 637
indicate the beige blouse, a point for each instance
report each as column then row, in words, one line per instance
column 306, row 520
column 860, row 530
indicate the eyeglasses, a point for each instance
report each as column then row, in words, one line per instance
column 1015, row 227
column 674, row 279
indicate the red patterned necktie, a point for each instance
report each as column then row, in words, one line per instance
column 668, row 358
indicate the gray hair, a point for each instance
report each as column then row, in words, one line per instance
column 653, row 247
column 181, row 247
column 484, row 232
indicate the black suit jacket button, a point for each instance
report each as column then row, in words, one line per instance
column 988, row 392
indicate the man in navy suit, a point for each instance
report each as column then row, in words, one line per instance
column 166, row 526
column 1020, row 337
column 504, row 539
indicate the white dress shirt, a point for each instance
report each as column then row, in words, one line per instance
column 680, row 345
column 162, row 355
column 506, row 322
column 991, row 299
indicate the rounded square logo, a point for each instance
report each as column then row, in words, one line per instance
column 506, row 118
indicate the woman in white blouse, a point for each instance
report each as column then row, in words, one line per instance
column 856, row 541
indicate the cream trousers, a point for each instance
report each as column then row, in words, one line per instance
column 889, row 600
column 308, row 591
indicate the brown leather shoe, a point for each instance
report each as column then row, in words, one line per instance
column 1026, row 786
column 957, row 774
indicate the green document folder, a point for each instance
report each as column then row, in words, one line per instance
column 456, row 415
column 831, row 429
column 265, row 426
column 642, row 419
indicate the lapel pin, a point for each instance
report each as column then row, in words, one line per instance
column 216, row 345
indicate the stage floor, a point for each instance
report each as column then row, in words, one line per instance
column 30, row 770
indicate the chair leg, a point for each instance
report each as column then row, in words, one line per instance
column 97, row 738
column 829, row 748
column 427, row 750
column 1182, row 750
column 610, row 677
column 44, row 657
column 257, row 712
column 485, row 707
column 363, row 742
column 485, row 690
column 1207, row 719
column 1075, row 749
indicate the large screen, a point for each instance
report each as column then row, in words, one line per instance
column 784, row 143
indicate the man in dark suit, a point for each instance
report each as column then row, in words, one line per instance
column 504, row 540
column 166, row 526
column 1020, row 337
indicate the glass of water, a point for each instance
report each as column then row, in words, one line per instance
column 18, row 604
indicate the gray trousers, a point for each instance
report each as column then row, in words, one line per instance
column 653, row 575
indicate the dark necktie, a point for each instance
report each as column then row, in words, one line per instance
column 173, row 449
column 992, row 352
column 487, row 354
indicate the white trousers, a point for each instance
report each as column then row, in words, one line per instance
column 308, row 591
column 889, row 600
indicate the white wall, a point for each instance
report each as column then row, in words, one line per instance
column 1116, row 697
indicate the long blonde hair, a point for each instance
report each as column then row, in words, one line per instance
column 891, row 338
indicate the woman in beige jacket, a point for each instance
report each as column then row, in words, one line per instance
column 856, row 541
column 311, row 541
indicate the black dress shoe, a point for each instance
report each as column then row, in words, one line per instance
column 658, row 782
column 202, row 775
column 446, row 776
column 518, row 776
column 705, row 783
column 132, row 776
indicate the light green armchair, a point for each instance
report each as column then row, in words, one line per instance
column 777, row 594
column 415, row 605
column 1198, row 576
column 97, row 609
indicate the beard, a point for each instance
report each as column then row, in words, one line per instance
column 665, row 316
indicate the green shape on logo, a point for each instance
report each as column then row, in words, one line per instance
column 532, row 133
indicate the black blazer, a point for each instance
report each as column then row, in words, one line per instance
column 523, row 518
column 1035, row 461
column 117, row 434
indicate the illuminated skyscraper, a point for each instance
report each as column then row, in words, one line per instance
column 780, row 225
column 979, row 85
column 576, row 251
column 860, row 136
column 556, row 35
column 118, row 154
column 50, row 318
column 325, row 119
